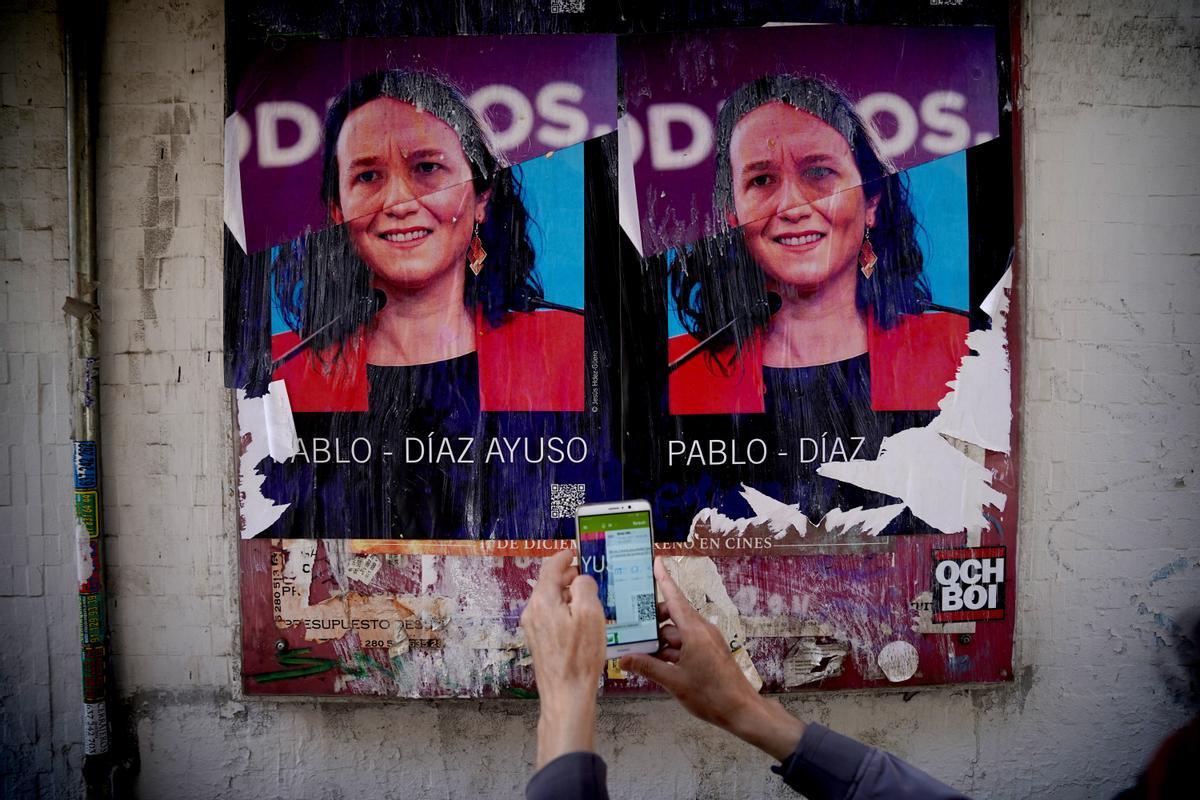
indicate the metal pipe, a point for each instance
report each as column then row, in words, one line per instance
column 82, row 26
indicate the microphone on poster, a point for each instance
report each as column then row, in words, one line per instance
column 375, row 302
column 526, row 300
column 932, row 306
column 759, row 314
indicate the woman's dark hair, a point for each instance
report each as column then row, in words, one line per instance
column 320, row 279
column 716, row 280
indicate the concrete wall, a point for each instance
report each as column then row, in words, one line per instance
column 1110, row 552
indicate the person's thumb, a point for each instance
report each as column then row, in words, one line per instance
column 650, row 667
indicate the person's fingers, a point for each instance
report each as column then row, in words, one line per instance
column 669, row 654
column 585, row 594
column 568, row 576
column 670, row 634
column 556, row 564
column 678, row 608
column 650, row 667
column 554, row 569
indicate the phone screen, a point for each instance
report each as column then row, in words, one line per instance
column 617, row 551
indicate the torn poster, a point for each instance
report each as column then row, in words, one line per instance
column 760, row 276
column 417, row 288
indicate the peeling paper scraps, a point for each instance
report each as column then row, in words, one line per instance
column 815, row 654
column 771, row 518
column 701, row 584
column 922, row 606
column 379, row 620
column 391, row 621
column 979, row 409
column 627, row 205
column 85, row 562
column 256, row 512
column 291, row 577
column 282, row 441
column 301, row 554
column 237, row 136
column 364, row 568
column 483, row 637
column 867, row 521
column 811, row 661
column 778, row 520
column 898, row 660
column 460, row 642
column 428, row 571
column 942, row 486
column 785, row 627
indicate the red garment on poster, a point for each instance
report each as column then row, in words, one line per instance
column 910, row 365
column 531, row 362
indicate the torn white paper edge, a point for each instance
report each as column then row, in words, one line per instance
column 282, row 442
column 776, row 515
column 941, row 485
column 256, row 512
column 979, row 407
column 869, row 521
column 234, row 217
column 627, row 204
column 780, row 518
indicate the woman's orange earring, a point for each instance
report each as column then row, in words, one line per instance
column 866, row 256
column 477, row 254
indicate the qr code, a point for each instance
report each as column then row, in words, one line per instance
column 645, row 607
column 566, row 6
column 565, row 498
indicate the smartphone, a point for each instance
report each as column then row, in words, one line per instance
column 616, row 547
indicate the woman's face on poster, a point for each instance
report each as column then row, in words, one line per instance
column 406, row 194
column 797, row 196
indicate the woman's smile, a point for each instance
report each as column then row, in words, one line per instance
column 407, row 238
column 800, row 242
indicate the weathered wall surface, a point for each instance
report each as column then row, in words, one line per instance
column 39, row 678
column 1110, row 562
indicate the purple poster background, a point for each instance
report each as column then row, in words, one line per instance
column 929, row 92
column 538, row 94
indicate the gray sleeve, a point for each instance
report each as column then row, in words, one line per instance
column 829, row 766
column 572, row 776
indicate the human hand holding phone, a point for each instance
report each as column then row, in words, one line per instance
column 695, row 665
column 564, row 630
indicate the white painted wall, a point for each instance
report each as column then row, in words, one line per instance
column 1110, row 547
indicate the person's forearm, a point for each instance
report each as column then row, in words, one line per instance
column 767, row 725
column 561, row 732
